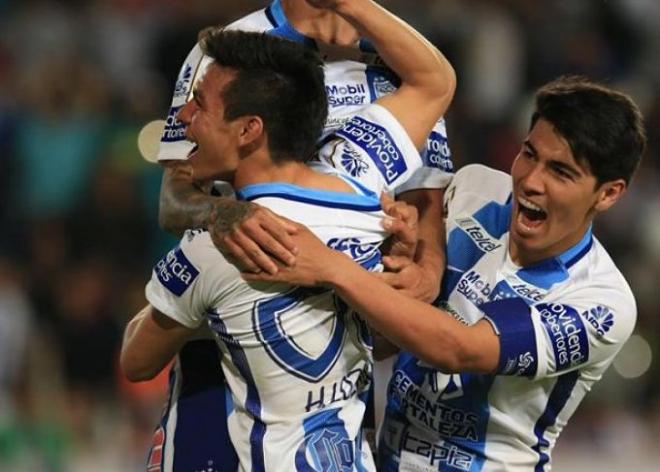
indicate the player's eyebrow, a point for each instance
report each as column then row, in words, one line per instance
column 532, row 150
column 562, row 165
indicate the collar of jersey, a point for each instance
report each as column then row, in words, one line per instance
column 367, row 201
column 550, row 271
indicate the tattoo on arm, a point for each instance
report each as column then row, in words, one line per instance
column 187, row 204
column 226, row 214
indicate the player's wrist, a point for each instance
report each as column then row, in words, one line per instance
column 340, row 271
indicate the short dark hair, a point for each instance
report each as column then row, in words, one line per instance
column 279, row 80
column 603, row 127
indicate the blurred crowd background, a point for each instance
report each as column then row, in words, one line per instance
column 78, row 206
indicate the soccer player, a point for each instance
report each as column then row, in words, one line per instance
column 298, row 382
column 533, row 309
column 355, row 76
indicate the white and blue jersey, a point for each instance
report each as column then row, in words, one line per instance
column 297, row 360
column 560, row 323
column 354, row 78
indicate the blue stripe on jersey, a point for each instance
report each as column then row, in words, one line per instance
column 574, row 254
column 275, row 14
column 327, row 442
column 253, row 401
column 463, row 252
column 556, row 402
column 554, row 270
column 513, row 323
column 326, row 198
column 544, row 274
column 495, row 218
column 282, row 348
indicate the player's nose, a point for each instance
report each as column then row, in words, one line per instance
column 184, row 115
column 532, row 182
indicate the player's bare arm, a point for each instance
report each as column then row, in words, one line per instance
column 418, row 274
column 151, row 340
column 428, row 84
column 433, row 335
column 428, row 80
column 238, row 228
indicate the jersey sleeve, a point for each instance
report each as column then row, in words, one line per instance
column 585, row 328
column 437, row 168
column 373, row 148
column 188, row 280
column 173, row 142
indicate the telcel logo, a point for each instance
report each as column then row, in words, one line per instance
column 478, row 234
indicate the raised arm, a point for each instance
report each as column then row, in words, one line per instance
column 428, row 80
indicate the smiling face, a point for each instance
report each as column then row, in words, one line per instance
column 554, row 197
column 216, row 154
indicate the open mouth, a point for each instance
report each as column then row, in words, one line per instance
column 192, row 152
column 530, row 215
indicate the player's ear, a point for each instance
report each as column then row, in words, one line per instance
column 609, row 193
column 251, row 131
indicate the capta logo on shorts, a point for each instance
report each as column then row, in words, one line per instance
column 378, row 144
column 176, row 272
column 174, row 131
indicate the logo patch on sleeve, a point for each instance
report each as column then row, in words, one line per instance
column 437, row 154
column 600, row 318
column 174, row 130
column 176, row 272
column 567, row 334
column 379, row 145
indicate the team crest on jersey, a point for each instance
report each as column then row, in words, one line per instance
column 379, row 145
column 176, row 272
column 174, row 130
column 355, row 248
column 353, row 162
column 183, row 82
column 381, row 86
column 600, row 318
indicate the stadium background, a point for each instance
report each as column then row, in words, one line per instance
column 78, row 206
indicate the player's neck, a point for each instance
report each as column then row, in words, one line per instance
column 323, row 25
column 261, row 169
